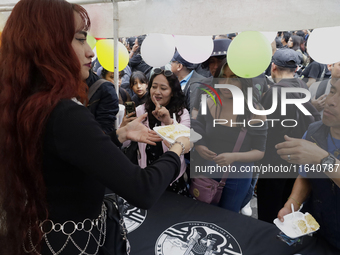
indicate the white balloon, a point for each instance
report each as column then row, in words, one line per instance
column 270, row 36
column 323, row 45
column 194, row 49
column 158, row 49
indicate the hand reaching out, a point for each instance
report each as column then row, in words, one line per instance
column 205, row 152
column 300, row 151
column 137, row 132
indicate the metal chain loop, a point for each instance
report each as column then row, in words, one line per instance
column 47, row 226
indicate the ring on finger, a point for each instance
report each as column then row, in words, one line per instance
column 289, row 158
column 160, row 106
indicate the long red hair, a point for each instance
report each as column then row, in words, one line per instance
column 38, row 68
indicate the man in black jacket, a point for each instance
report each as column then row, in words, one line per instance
column 318, row 185
column 273, row 189
column 104, row 103
column 189, row 79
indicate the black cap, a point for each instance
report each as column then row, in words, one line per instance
column 131, row 41
column 286, row 58
column 177, row 57
column 220, row 47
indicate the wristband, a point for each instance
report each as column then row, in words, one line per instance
column 295, row 201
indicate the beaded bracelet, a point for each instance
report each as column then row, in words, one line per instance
column 183, row 147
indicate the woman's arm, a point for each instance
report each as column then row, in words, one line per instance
column 227, row 158
column 80, row 142
column 249, row 156
column 258, row 142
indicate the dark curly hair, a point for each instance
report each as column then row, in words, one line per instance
column 177, row 102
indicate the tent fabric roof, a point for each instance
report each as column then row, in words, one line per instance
column 204, row 17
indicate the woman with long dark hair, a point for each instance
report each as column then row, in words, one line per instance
column 164, row 99
column 295, row 43
column 55, row 161
column 218, row 141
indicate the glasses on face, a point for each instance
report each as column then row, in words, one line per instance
column 167, row 73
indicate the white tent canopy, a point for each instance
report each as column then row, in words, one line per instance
column 202, row 17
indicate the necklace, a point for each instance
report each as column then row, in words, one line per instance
column 337, row 151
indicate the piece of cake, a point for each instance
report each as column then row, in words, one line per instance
column 166, row 130
column 311, row 222
column 174, row 134
column 173, row 131
column 300, row 227
column 305, row 225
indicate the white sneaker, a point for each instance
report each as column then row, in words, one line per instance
column 246, row 210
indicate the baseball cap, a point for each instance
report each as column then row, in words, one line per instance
column 177, row 57
column 286, row 58
column 220, row 47
column 131, row 41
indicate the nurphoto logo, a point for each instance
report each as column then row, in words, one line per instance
column 238, row 104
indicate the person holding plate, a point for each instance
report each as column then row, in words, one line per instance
column 318, row 185
column 164, row 99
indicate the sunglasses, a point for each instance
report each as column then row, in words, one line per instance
column 167, row 73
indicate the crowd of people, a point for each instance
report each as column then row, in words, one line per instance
column 291, row 67
column 60, row 151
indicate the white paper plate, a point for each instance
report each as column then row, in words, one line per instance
column 194, row 136
column 178, row 127
column 287, row 225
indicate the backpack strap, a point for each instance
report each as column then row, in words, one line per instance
column 323, row 72
column 321, row 89
column 95, row 86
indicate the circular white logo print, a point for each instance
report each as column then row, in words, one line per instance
column 133, row 216
column 196, row 238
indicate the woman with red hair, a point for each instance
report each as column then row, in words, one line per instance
column 55, row 161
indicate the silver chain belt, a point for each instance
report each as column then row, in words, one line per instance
column 87, row 225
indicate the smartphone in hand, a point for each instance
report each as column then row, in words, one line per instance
column 130, row 107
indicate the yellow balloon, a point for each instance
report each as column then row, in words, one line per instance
column 105, row 54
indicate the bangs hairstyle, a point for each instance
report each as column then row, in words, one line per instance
column 138, row 75
column 38, row 68
column 177, row 102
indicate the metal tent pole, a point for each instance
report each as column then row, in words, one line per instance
column 115, row 50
